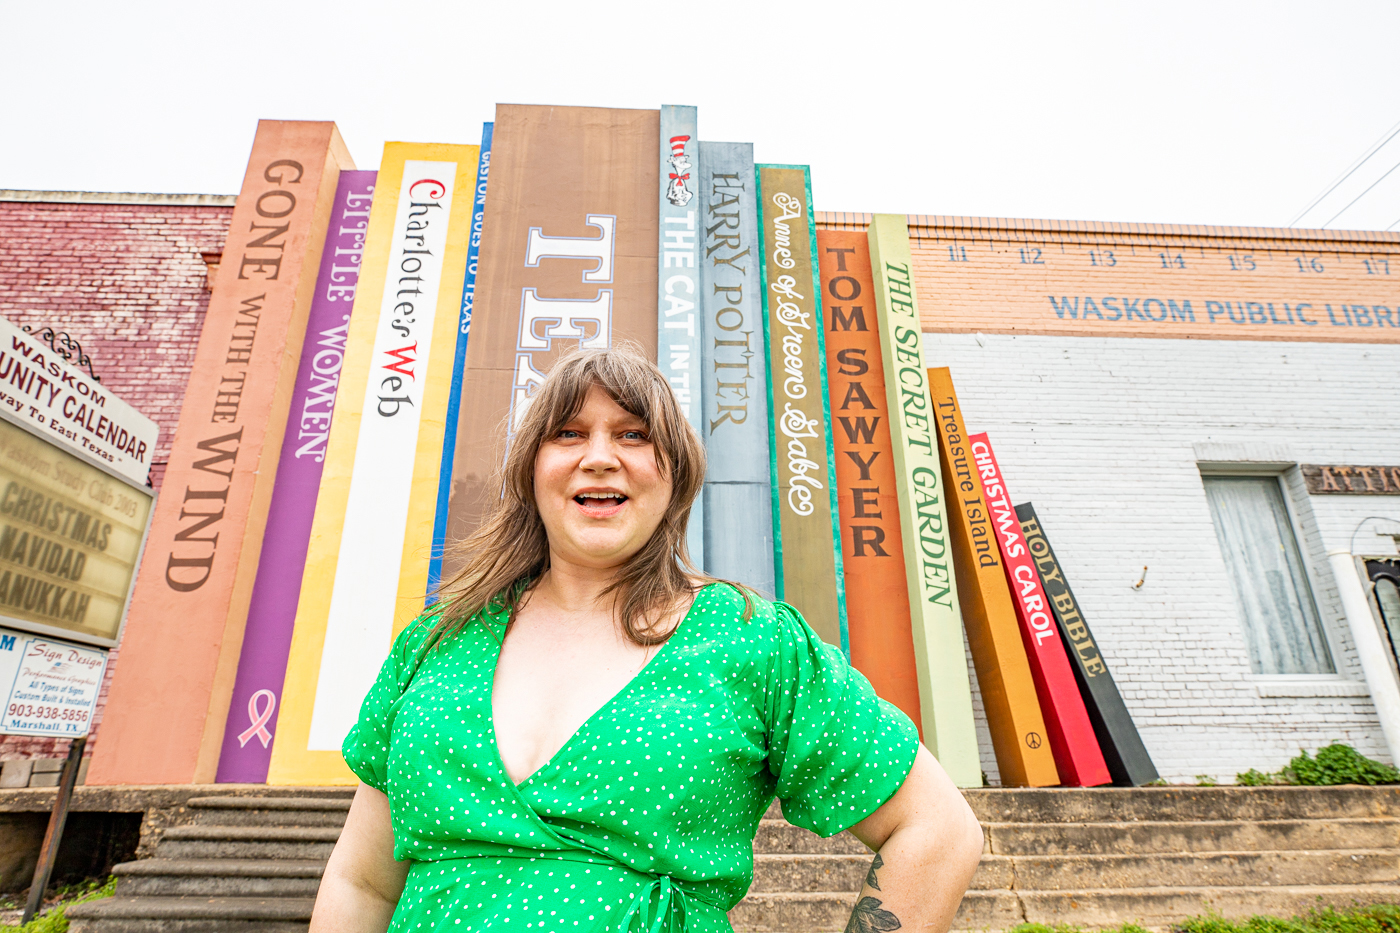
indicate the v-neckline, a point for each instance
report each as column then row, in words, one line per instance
column 624, row 689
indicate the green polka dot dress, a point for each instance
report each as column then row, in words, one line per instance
column 644, row 820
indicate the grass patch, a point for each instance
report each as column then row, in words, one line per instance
column 60, row 898
column 1377, row 918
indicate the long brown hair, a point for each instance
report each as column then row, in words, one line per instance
column 510, row 549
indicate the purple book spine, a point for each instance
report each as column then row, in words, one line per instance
column 257, row 690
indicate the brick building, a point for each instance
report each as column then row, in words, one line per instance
column 127, row 276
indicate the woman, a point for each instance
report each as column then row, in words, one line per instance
column 584, row 733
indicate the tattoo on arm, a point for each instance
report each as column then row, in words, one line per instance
column 869, row 915
column 870, row 879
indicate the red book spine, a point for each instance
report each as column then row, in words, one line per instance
column 1077, row 754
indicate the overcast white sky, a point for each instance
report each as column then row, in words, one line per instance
column 1189, row 112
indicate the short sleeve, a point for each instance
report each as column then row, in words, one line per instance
column 366, row 747
column 838, row 751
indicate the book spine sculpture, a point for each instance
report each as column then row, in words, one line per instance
column 945, row 694
column 1003, row 672
column 678, row 283
column 1077, row 755
column 367, row 567
column 877, row 600
column 738, row 496
column 459, row 364
column 257, row 690
column 168, row 706
column 1127, row 758
column 807, row 539
column 568, row 260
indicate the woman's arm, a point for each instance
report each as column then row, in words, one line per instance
column 362, row 882
column 927, row 845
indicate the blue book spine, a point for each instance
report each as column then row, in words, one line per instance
column 738, row 495
column 459, row 365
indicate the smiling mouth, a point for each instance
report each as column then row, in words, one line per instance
column 600, row 500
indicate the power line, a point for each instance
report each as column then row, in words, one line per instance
column 1387, row 136
column 1362, row 194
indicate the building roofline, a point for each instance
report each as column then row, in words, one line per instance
column 117, row 197
column 1023, row 226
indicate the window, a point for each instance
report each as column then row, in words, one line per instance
column 1281, row 626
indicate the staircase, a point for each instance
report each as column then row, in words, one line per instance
column 1092, row 858
column 1098, row 858
column 237, row 865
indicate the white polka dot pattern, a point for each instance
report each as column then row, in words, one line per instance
column 668, row 779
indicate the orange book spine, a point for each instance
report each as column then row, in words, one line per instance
column 169, row 700
column 877, row 595
column 1003, row 672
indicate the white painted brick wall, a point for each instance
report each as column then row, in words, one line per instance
column 1104, row 434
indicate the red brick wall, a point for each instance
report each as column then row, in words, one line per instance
column 129, row 282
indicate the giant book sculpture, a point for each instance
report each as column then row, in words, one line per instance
column 169, row 700
column 932, row 590
column 677, row 282
column 257, row 691
column 1077, row 754
column 807, row 540
column 1003, row 673
column 459, row 368
column 1127, row 758
column 568, row 259
column 737, row 512
column 877, row 601
column 367, row 566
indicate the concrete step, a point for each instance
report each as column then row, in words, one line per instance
column 269, row 811
column 822, row 912
column 1200, row 869
column 192, row 915
column 779, row 837
column 845, row 873
column 254, row 842
column 1162, row 907
column 1155, row 908
column 159, row 877
column 1205, row 836
column 1132, row 804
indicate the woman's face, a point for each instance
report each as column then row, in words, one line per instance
column 598, row 487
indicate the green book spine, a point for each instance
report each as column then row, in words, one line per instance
column 945, row 693
column 807, row 538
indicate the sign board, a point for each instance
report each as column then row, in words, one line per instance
column 50, row 686
column 41, row 390
column 70, row 539
column 1348, row 480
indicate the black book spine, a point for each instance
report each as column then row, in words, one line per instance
column 1127, row 758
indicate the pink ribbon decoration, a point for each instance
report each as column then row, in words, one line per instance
column 258, row 718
